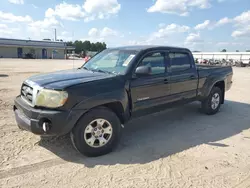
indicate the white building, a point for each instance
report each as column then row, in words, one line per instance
column 17, row 48
column 241, row 56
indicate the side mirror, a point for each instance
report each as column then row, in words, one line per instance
column 143, row 71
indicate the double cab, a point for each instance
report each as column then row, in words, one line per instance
column 96, row 100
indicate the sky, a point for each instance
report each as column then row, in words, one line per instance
column 204, row 25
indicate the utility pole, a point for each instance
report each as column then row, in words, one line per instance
column 55, row 35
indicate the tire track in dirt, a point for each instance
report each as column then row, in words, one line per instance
column 244, row 184
column 30, row 168
column 8, row 128
column 5, row 90
column 5, row 105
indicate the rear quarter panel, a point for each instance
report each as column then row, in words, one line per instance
column 210, row 75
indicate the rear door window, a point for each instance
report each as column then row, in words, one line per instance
column 180, row 61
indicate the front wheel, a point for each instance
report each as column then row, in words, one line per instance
column 97, row 132
column 212, row 103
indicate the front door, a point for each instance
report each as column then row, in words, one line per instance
column 150, row 91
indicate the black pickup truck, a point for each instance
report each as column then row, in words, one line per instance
column 93, row 102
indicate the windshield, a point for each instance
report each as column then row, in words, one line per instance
column 111, row 61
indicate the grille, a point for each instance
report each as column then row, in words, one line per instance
column 27, row 93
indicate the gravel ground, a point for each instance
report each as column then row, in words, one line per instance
column 178, row 147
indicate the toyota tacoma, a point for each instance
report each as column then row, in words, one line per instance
column 93, row 102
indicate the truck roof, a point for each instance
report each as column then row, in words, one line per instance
column 147, row 47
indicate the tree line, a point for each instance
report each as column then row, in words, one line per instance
column 83, row 47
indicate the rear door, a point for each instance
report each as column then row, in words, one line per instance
column 150, row 91
column 183, row 76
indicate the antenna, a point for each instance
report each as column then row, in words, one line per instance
column 73, row 52
column 74, row 60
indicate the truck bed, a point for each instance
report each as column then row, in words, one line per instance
column 205, row 70
column 209, row 72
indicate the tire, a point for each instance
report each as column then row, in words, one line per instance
column 242, row 64
column 89, row 140
column 209, row 107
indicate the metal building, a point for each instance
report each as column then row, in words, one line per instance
column 17, row 48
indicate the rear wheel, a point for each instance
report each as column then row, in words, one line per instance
column 212, row 104
column 97, row 132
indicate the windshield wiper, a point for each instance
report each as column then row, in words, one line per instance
column 96, row 70
column 102, row 71
column 84, row 68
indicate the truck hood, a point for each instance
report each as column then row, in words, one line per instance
column 66, row 78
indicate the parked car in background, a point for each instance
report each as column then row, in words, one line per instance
column 86, row 58
column 204, row 61
column 74, row 56
column 29, row 56
column 245, row 62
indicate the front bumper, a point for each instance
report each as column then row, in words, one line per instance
column 32, row 119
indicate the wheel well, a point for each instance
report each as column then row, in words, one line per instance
column 117, row 108
column 221, row 85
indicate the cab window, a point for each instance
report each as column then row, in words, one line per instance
column 155, row 61
column 179, row 61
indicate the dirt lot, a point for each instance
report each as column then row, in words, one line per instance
column 176, row 148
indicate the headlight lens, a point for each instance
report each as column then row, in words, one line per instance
column 51, row 98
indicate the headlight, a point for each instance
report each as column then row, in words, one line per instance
column 51, row 98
